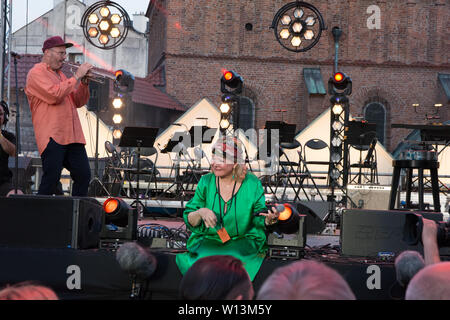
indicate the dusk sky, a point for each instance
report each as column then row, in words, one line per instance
column 36, row 8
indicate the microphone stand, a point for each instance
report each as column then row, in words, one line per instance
column 16, row 178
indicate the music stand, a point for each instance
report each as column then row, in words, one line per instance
column 360, row 135
column 138, row 137
column 204, row 138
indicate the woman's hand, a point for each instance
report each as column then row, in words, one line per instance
column 271, row 216
column 205, row 214
column 208, row 217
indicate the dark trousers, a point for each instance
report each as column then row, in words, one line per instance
column 73, row 157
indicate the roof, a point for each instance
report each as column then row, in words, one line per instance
column 144, row 92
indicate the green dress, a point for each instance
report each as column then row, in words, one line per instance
column 247, row 232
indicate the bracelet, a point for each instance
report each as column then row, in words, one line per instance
column 271, row 223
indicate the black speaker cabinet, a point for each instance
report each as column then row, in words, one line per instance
column 316, row 212
column 371, row 233
column 50, row 222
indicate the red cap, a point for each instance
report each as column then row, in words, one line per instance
column 56, row 41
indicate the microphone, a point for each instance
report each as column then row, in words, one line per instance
column 279, row 207
column 138, row 262
column 15, row 55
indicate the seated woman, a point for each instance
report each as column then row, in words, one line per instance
column 221, row 215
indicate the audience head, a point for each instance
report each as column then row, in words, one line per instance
column 407, row 264
column 430, row 283
column 220, row 277
column 27, row 291
column 305, row 280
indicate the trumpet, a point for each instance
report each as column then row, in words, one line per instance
column 93, row 75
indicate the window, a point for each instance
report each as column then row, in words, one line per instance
column 313, row 80
column 375, row 112
column 246, row 114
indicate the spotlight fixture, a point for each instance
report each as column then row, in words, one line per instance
column 340, row 85
column 105, row 24
column 119, row 223
column 288, row 220
column 231, row 80
column 226, row 108
column 116, row 211
column 117, row 119
column 337, row 109
column 296, row 28
column 117, row 134
column 117, row 102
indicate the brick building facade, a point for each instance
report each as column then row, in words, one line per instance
column 393, row 53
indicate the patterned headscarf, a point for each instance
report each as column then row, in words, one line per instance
column 228, row 148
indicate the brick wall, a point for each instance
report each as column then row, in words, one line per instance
column 397, row 64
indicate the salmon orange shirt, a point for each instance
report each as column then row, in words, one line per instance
column 54, row 99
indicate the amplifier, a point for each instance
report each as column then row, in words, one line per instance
column 369, row 233
column 50, row 222
column 369, row 196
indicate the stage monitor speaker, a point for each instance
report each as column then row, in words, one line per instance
column 369, row 196
column 316, row 212
column 373, row 233
column 50, row 222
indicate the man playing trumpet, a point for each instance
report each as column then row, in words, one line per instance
column 54, row 99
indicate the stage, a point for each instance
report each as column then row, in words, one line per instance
column 95, row 274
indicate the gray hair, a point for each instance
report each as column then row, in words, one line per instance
column 430, row 283
column 407, row 264
column 305, row 280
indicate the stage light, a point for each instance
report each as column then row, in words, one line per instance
column 93, row 18
column 338, row 77
column 288, row 220
column 231, row 80
column 297, row 27
column 93, row 32
column 225, row 108
column 104, row 25
column 308, row 35
column 290, row 19
column 337, row 109
column 285, row 214
column 310, row 21
column 336, row 142
column 117, row 134
column 117, row 119
column 116, row 211
column 115, row 32
column 228, row 75
column 298, row 13
column 335, row 157
column 103, row 39
column 116, row 19
column 124, row 81
column 224, row 124
column 111, row 20
column 296, row 41
column 286, row 20
column 284, row 34
column 335, row 174
column 337, row 126
column 104, row 12
column 117, row 102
